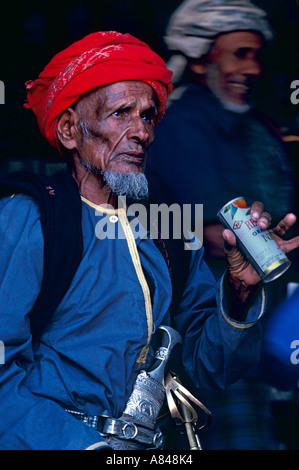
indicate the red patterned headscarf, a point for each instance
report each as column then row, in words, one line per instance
column 98, row 59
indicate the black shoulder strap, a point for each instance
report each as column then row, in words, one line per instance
column 60, row 207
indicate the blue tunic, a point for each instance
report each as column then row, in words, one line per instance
column 280, row 349
column 90, row 353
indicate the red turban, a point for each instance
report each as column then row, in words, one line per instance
column 98, row 59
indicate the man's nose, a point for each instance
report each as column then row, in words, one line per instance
column 252, row 67
column 137, row 130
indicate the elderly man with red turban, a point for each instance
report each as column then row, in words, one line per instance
column 66, row 382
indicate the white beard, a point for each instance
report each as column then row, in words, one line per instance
column 212, row 80
column 132, row 184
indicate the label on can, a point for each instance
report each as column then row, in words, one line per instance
column 256, row 243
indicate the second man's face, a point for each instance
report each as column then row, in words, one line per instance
column 232, row 64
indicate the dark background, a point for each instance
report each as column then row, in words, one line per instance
column 32, row 32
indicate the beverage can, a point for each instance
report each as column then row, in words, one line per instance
column 256, row 244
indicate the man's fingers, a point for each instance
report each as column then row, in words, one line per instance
column 235, row 260
column 290, row 245
column 230, row 240
column 265, row 220
column 285, row 224
column 262, row 218
column 256, row 210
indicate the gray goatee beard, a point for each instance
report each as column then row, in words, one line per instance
column 133, row 184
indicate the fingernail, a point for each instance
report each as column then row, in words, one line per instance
column 255, row 215
column 263, row 221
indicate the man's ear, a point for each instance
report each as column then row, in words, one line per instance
column 67, row 128
column 197, row 67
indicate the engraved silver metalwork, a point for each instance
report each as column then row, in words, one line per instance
column 148, row 394
column 146, row 400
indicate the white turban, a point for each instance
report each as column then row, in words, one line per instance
column 195, row 24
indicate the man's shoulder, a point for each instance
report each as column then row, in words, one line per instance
column 19, row 221
column 18, row 202
column 187, row 95
column 55, row 199
column 45, row 189
column 195, row 108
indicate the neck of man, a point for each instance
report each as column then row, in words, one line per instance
column 92, row 187
column 105, row 187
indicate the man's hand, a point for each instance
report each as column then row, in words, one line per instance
column 241, row 275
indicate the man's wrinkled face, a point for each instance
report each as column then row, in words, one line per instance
column 116, row 126
column 232, row 65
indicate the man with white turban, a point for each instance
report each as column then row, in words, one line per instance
column 214, row 146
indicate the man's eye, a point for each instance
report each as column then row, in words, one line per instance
column 149, row 116
column 145, row 117
column 242, row 52
column 118, row 113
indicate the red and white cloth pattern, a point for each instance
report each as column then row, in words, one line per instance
column 98, row 59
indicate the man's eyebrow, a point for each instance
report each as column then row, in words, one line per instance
column 152, row 108
column 132, row 104
column 117, row 104
column 125, row 104
column 245, row 49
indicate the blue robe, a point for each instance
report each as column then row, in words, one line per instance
column 99, row 337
